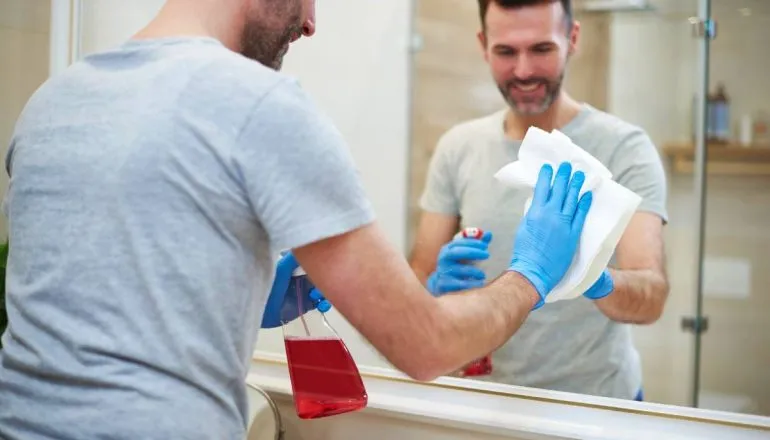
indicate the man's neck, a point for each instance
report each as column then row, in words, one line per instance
column 209, row 18
column 560, row 113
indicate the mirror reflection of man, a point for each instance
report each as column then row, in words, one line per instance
column 581, row 345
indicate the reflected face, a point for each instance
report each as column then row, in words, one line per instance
column 527, row 49
column 272, row 25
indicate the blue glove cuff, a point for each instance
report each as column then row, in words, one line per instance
column 534, row 279
column 431, row 284
column 603, row 287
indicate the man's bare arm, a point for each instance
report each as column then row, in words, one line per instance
column 641, row 284
column 423, row 336
column 434, row 231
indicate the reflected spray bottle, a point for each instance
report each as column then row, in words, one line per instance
column 482, row 366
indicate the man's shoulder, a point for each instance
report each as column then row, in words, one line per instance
column 241, row 75
column 607, row 136
column 466, row 134
column 257, row 93
column 607, row 130
column 609, row 126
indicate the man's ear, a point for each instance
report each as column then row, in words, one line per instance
column 574, row 37
column 483, row 43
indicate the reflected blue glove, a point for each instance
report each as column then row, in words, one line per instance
column 602, row 287
column 282, row 301
column 548, row 235
column 454, row 269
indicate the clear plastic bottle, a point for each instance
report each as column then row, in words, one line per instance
column 324, row 377
column 481, row 366
column 721, row 115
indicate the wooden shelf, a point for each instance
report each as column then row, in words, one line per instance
column 722, row 159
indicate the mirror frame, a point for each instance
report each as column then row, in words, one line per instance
column 649, row 409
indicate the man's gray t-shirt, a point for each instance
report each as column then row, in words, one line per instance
column 568, row 345
column 152, row 189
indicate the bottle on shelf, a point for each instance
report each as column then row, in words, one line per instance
column 720, row 108
column 710, row 117
column 746, row 131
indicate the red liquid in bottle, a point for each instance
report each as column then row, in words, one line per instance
column 479, row 367
column 324, row 379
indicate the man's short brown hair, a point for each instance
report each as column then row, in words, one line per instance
column 515, row 4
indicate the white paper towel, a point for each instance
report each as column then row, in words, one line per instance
column 611, row 209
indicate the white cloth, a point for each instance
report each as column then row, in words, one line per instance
column 611, row 210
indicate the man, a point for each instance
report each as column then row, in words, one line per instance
column 152, row 187
column 580, row 345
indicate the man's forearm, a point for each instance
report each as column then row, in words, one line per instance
column 479, row 321
column 423, row 336
column 638, row 296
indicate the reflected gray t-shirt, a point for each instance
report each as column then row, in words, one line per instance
column 567, row 345
column 152, row 188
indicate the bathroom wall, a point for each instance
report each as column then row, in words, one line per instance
column 108, row 23
column 24, row 42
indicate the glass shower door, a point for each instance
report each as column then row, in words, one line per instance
column 734, row 349
column 659, row 57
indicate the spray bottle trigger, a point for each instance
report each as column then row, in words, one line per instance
column 319, row 301
column 324, row 306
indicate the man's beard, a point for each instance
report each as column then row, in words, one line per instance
column 552, row 90
column 268, row 44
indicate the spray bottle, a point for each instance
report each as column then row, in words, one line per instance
column 324, row 377
column 482, row 366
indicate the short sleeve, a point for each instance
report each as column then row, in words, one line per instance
column 440, row 195
column 8, row 166
column 297, row 171
column 636, row 165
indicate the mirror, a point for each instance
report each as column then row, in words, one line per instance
column 642, row 67
column 709, row 348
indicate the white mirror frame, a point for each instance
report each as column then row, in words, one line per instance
column 521, row 412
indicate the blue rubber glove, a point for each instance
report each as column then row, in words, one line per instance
column 602, row 287
column 282, row 301
column 454, row 269
column 548, row 235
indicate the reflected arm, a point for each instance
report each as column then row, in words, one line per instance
column 641, row 284
column 434, row 231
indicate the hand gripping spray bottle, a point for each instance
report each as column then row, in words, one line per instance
column 324, row 378
column 482, row 366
